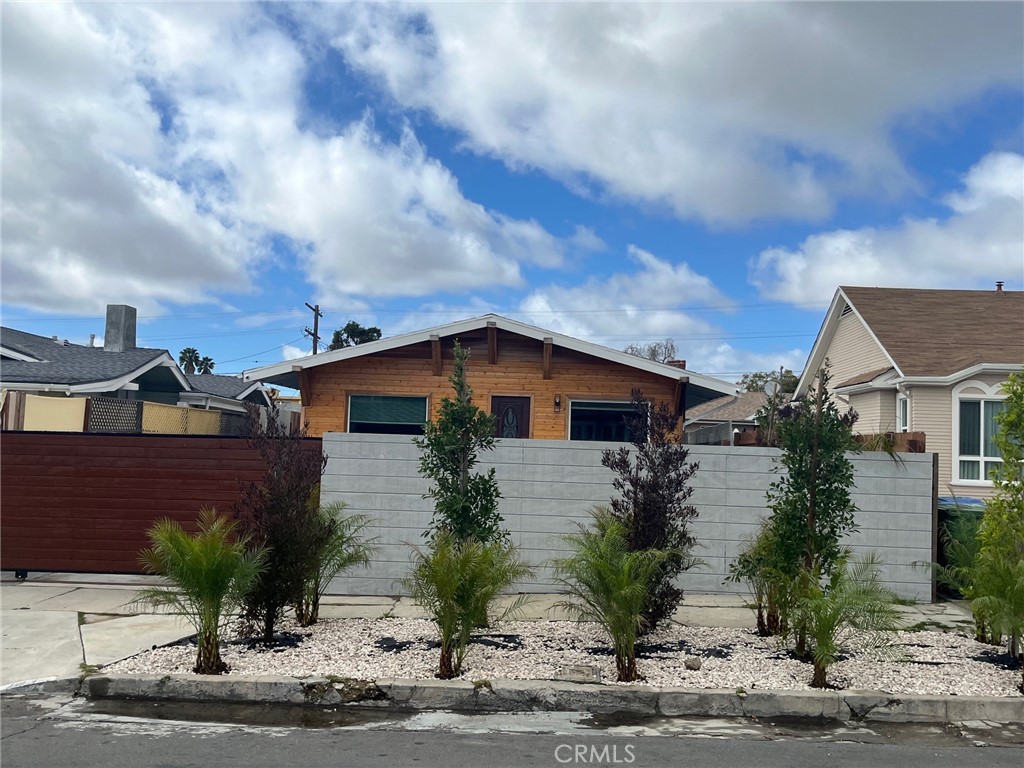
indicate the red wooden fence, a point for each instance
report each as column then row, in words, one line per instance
column 83, row 502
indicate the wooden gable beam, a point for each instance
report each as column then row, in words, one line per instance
column 435, row 353
column 547, row 357
column 492, row 342
column 305, row 385
column 680, row 397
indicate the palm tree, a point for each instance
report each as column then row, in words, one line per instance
column 205, row 365
column 608, row 584
column 188, row 359
column 853, row 603
column 344, row 549
column 456, row 582
column 210, row 573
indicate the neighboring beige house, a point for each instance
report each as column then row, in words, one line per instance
column 930, row 361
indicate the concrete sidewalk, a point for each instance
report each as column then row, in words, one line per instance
column 59, row 625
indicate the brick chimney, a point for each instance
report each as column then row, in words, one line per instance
column 119, row 335
column 676, row 363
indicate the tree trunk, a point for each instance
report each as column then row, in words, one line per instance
column 208, row 660
column 446, row 669
column 819, row 680
column 625, row 666
column 268, row 624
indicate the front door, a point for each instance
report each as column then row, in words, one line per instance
column 511, row 416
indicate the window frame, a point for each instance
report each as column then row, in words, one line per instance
column 989, row 393
column 348, row 408
column 902, row 413
column 627, row 405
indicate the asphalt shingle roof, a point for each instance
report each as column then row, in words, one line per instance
column 940, row 332
column 215, row 384
column 739, row 407
column 71, row 364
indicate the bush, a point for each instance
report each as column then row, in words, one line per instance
column 853, row 603
column 344, row 548
column 456, row 582
column 999, row 569
column 653, row 480
column 277, row 514
column 210, row 573
column 608, row 583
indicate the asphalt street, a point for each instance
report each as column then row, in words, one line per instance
column 59, row 732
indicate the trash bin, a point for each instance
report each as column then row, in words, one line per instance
column 948, row 508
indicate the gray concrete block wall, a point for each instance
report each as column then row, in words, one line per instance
column 549, row 486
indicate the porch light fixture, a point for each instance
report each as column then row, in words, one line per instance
column 558, row 402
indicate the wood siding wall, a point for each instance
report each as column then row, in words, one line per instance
column 876, row 411
column 518, row 371
column 853, row 351
column 81, row 502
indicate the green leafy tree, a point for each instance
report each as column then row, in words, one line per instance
column 852, row 603
column 188, row 359
column 352, row 334
column 276, row 513
column 465, row 503
column 607, row 582
column 782, row 380
column 653, row 482
column 658, row 351
column 456, row 581
column 344, row 548
column 210, row 573
column 205, row 365
column 998, row 573
column 811, row 505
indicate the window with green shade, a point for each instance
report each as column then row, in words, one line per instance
column 387, row 414
column 978, row 453
column 604, row 421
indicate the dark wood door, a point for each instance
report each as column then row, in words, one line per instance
column 511, row 416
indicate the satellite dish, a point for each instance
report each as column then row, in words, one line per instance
column 771, row 388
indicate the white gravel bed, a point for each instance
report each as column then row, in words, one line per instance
column 730, row 658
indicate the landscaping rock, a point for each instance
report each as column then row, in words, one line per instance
column 693, row 663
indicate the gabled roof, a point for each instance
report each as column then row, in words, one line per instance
column 930, row 334
column 286, row 373
column 741, row 407
column 39, row 361
column 233, row 387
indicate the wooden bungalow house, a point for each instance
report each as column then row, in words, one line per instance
column 539, row 384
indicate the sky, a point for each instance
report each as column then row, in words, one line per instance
column 622, row 173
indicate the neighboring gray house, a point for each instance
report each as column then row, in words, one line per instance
column 225, row 393
column 716, row 421
column 41, row 365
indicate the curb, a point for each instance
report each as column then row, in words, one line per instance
column 67, row 685
column 546, row 695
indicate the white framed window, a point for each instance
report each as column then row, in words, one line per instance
column 599, row 420
column 387, row 414
column 902, row 413
column 975, row 454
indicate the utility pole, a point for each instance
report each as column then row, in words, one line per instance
column 315, row 333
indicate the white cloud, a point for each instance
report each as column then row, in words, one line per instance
column 981, row 241
column 725, row 112
column 289, row 352
column 89, row 216
column 150, row 152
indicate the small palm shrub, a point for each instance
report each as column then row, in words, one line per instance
column 456, row 582
column 607, row 583
column 1000, row 602
column 210, row 573
column 757, row 565
column 853, row 603
column 344, row 548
